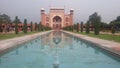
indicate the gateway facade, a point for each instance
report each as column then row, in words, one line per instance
column 56, row 18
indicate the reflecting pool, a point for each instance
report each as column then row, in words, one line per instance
column 58, row 50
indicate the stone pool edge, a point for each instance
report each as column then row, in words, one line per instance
column 6, row 45
column 109, row 46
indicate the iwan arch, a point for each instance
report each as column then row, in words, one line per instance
column 56, row 18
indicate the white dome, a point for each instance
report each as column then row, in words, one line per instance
column 71, row 9
column 42, row 9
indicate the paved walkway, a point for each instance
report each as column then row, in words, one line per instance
column 9, row 43
column 105, row 44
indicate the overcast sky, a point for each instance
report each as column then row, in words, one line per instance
column 30, row 9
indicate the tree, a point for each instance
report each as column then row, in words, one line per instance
column 116, row 23
column 118, row 18
column 5, row 18
column 95, row 20
column 1, row 21
column 18, row 21
column 87, row 27
column 16, row 25
column 113, row 28
column 77, row 27
column 1, row 24
column 81, row 26
column 38, row 25
column 25, row 26
column 72, row 28
column 35, row 26
column 31, row 26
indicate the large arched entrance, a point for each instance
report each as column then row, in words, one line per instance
column 57, row 22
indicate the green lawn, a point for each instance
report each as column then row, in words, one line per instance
column 13, row 35
column 115, row 38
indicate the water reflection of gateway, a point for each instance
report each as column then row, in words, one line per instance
column 57, row 39
column 48, row 40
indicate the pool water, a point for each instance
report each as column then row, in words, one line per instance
column 58, row 50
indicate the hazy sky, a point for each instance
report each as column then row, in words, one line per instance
column 30, row 9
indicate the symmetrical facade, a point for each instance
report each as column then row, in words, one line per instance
column 56, row 18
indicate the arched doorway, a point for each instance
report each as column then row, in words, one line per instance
column 57, row 20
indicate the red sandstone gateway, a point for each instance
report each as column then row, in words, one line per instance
column 56, row 18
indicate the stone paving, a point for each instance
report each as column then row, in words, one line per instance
column 9, row 43
column 111, row 46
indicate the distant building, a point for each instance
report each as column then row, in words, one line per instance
column 56, row 18
column 11, row 27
